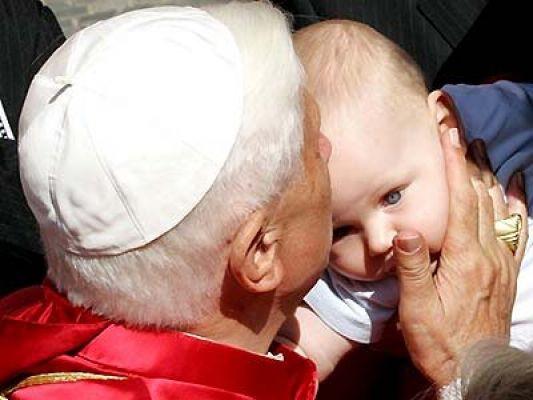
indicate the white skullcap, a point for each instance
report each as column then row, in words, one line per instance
column 127, row 126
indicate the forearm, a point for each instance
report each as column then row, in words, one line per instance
column 316, row 340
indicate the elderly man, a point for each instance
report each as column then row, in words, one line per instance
column 184, row 206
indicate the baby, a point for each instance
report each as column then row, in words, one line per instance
column 387, row 174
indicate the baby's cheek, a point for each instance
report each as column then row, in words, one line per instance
column 348, row 257
column 433, row 220
column 437, row 204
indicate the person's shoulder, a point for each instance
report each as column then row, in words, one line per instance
column 506, row 92
column 492, row 109
column 108, row 386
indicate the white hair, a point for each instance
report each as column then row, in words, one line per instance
column 176, row 280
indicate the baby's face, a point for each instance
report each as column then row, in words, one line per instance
column 387, row 173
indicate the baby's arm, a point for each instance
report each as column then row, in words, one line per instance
column 309, row 336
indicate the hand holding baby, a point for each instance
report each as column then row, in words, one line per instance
column 471, row 294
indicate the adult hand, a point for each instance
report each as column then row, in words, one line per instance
column 471, row 294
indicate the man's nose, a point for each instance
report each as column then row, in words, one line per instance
column 379, row 234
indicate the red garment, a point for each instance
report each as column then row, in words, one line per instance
column 41, row 332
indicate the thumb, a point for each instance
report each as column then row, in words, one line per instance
column 413, row 267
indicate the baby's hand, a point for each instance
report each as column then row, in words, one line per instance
column 315, row 340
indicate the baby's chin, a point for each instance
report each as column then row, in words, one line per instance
column 355, row 274
column 384, row 271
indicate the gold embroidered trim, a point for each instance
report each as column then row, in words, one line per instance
column 57, row 377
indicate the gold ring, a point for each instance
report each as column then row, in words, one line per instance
column 508, row 230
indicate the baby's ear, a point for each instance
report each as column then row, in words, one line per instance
column 443, row 110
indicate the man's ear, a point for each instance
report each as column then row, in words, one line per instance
column 254, row 257
column 443, row 110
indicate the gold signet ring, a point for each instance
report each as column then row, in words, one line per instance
column 508, row 230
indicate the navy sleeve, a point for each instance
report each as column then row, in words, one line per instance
column 502, row 115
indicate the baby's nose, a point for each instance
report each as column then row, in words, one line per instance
column 379, row 237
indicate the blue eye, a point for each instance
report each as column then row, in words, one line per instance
column 392, row 198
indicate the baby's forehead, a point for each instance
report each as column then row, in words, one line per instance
column 374, row 118
column 370, row 146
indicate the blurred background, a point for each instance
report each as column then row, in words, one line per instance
column 74, row 15
column 430, row 30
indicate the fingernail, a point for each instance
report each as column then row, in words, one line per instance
column 454, row 138
column 408, row 242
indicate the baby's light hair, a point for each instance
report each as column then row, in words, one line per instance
column 349, row 62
